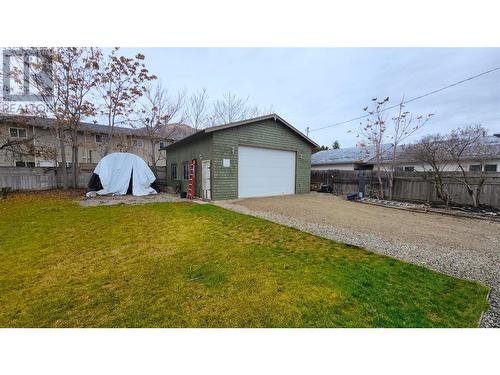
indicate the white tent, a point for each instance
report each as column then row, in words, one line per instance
column 114, row 172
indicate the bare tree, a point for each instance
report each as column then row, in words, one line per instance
column 432, row 154
column 232, row 108
column 451, row 153
column 404, row 124
column 121, row 82
column 157, row 111
column 62, row 79
column 197, row 110
column 468, row 143
column 373, row 133
column 377, row 131
column 229, row 109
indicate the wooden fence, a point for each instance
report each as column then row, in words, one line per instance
column 18, row 178
column 39, row 178
column 408, row 186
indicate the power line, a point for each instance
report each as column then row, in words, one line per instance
column 409, row 100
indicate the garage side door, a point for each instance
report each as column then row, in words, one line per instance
column 264, row 172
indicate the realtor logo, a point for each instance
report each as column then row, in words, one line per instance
column 26, row 73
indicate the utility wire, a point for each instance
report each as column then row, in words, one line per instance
column 409, row 100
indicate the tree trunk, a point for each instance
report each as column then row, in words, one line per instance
column 74, row 166
column 475, row 203
column 379, row 172
column 380, row 182
column 440, row 190
column 475, row 197
column 390, row 178
column 62, row 149
column 153, row 159
column 74, row 159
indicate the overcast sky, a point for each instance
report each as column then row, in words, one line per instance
column 317, row 87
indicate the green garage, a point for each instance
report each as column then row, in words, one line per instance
column 264, row 156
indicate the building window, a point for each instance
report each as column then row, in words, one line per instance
column 173, row 171
column 100, row 138
column 18, row 133
column 409, row 169
column 185, row 171
column 490, row 168
column 475, row 168
column 138, row 143
column 163, row 144
column 88, row 157
column 30, row 164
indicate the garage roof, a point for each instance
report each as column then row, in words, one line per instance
column 273, row 117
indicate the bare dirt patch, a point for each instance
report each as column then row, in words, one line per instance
column 107, row 200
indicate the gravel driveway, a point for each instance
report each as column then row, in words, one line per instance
column 461, row 247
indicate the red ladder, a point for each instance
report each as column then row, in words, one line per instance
column 191, row 192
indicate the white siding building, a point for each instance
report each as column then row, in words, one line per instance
column 362, row 158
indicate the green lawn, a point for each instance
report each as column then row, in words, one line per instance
column 188, row 265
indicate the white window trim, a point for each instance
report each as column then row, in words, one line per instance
column 87, row 156
column 172, row 171
column 183, row 170
column 496, row 165
column 103, row 136
column 138, row 143
column 17, row 131
column 475, row 165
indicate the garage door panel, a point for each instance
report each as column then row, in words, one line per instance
column 265, row 172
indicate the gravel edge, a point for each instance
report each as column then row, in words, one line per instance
column 460, row 263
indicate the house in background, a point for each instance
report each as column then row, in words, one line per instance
column 363, row 158
column 345, row 159
column 263, row 156
column 92, row 141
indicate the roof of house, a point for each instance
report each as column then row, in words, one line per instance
column 170, row 131
column 273, row 117
column 346, row 155
column 367, row 154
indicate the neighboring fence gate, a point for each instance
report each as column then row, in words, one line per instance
column 408, row 186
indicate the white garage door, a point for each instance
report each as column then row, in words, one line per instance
column 263, row 172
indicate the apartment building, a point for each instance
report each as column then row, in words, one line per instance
column 40, row 142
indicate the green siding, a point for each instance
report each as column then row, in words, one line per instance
column 223, row 144
column 265, row 134
column 186, row 152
